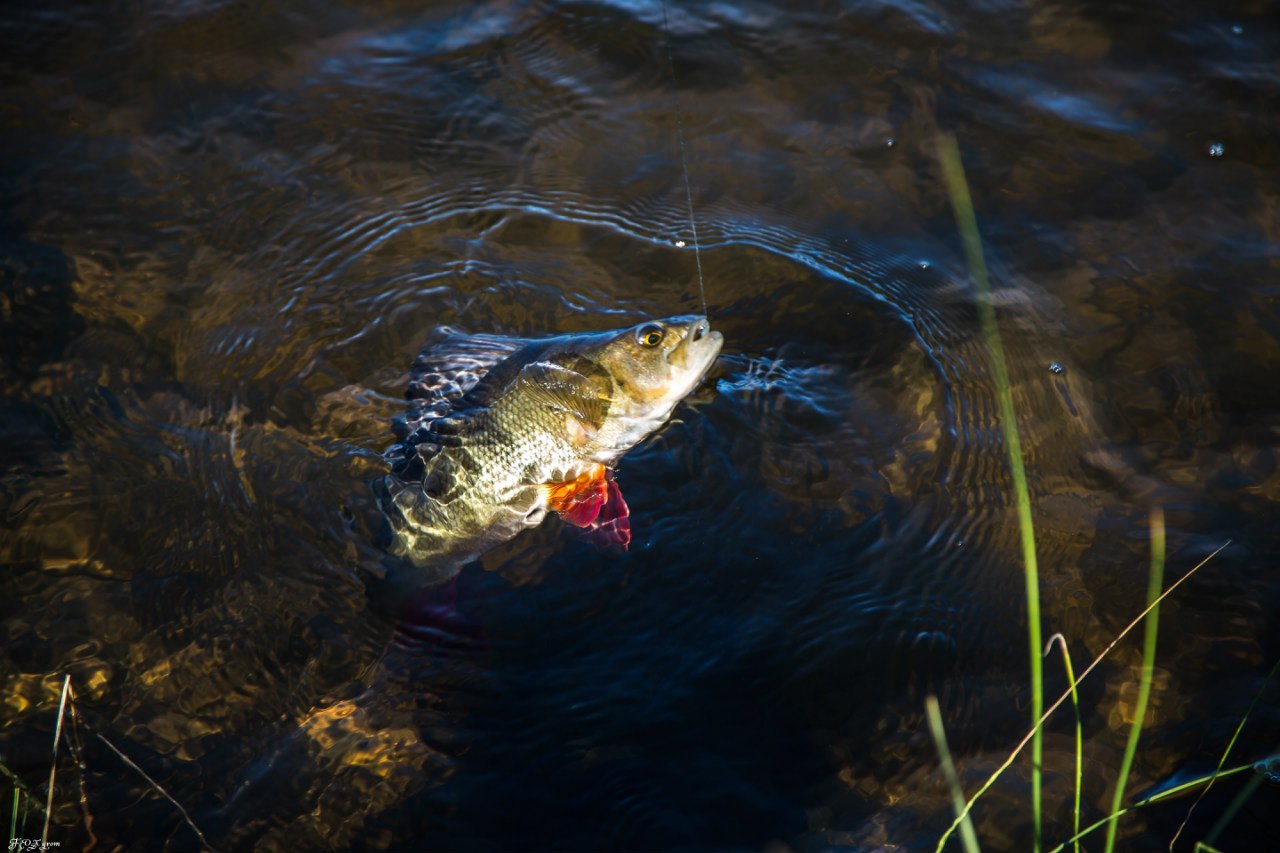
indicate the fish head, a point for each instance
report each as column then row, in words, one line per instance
column 655, row 364
column 650, row 367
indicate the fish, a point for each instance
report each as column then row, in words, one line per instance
column 502, row 432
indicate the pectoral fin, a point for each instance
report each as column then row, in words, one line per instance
column 612, row 527
column 583, row 400
column 579, row 501
column 593, row 502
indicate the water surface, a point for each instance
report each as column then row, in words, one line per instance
column 228, row 227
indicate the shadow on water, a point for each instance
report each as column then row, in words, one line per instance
column 229, row 228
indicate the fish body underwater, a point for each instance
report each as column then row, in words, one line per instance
column 501, row 431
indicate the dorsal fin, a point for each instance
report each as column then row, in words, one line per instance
column 447, row 370
column 450, row 367
column 458, row 376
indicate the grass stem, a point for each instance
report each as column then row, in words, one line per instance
column 1148, row 663
column 1075, row 705
column 1226, row 817
column 966, row 222
column 1217, row 773
column 53, row 767
column 15, row 780
column 1017, row 750
column 1183, row 787
column 1229, row 814
column 1152, row 800
column 156, row 785
column 967, row 834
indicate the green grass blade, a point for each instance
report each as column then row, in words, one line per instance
column 1229, row 814
column 21, row 794
column 966, row 222
column 967, row 835
column 14, row 779
column 1226, row 752
column 1166, row 794
column 1093, row 827
column 1075, row 706
column 1017, row 750
column 1148, row 662
column 1183, row 787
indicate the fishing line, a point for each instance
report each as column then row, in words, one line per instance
column 684, row 162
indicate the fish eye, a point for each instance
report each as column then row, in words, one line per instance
column 650, row 335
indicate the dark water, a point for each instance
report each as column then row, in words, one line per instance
column 227, row 228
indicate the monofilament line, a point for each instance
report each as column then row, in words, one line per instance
column 684, row 162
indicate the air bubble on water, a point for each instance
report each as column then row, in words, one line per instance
column 679, row 244
column 1057, row 369
column 1237, row 29
column 924, row 265
column 1217, row 149
column 889, row 141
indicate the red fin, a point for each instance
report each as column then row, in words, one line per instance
column 612, row 527
column 586, row 507
column 579, row 501
column 593, row 502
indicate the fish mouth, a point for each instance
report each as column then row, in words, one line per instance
column 698, row 348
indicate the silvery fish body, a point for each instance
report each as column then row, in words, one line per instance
column 502, row 431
